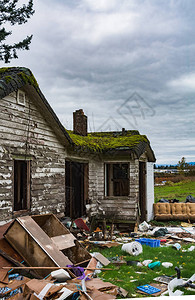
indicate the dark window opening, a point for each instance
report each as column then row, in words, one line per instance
column 117, row 179
column 21, row 185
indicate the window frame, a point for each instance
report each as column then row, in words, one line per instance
column 25, row 207
column 18, row 97
column 106, row 178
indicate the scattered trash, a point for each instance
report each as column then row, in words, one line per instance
column 176, row 246
column 154, row 265
column 149, row 242
column 167, row 264
column 61, row 275
column 190, row 199
column 161, row 232
column 75, row 277
column 132, row 262
column 184, row 224
column 133, row 248
column 163, row 200
column 81, row 224
column 144, row 226
column 192, row 248
column 148, row 289
column 163, row 279
column 147, row 262
column 178, row 282
column 101, row 258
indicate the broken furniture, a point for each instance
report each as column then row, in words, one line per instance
column 174, row 211
column 43, row 241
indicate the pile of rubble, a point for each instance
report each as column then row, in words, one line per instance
column 41, row 259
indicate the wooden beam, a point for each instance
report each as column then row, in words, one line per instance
column 53, row 268
column 19, row 265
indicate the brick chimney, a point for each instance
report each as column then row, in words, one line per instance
column 79, row 122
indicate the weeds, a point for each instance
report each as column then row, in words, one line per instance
column 125, row 275
column 178, row 190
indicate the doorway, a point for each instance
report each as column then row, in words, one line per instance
column 142, row 191
column 76, row 189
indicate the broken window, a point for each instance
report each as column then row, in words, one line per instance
column 21, row 185
column 117, row 179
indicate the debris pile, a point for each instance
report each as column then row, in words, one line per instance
column 41, row 259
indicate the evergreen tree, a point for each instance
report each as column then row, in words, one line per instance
column 182, row 165
column 12, row 14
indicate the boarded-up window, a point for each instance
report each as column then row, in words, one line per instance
column 21, row 185
column 117, row 179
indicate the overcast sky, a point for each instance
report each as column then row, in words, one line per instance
column 127, row 63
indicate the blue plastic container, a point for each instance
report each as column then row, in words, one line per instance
column 149, row 242
column 148, row 289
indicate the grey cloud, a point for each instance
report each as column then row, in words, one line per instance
column 95, row 54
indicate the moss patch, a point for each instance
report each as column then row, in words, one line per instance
column 103, row 141
column 23, row 75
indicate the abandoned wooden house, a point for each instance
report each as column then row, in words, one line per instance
column 45, row 168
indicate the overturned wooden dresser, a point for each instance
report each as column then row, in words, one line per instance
column 43, row 241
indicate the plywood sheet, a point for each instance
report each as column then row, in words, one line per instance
column 64, row 241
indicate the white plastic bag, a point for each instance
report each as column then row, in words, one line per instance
column 167, row 264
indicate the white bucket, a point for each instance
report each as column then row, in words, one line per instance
column 133, row 248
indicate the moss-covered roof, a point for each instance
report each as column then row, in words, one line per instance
column 14, row 78
column 108, row 141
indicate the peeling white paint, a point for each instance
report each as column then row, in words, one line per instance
column 5, row 222
column 5, row 181
column 5, row 176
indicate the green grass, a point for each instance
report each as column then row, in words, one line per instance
column 122, row 276
column 178, row 190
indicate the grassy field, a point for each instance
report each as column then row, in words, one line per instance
column 125, row 275
column 178, row 190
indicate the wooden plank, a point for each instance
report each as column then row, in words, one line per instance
column 21, row 118
column 64, row 241
column 21, row 137
column 55, row 268
column 18, row 264
column 40, row 238
column 18, row 127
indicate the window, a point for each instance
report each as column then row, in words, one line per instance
column 117, row 179
column 21, row 97
column 21, row 185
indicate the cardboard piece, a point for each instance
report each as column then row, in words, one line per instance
column 92, row 264
column 37, row 289
column 97, row 295
column 4, row 276
column 101, row 258
column 65, row 293
column 100, row 285
column 64, row 241
column 15, row 284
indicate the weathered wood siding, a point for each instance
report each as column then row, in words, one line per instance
column 116, row 208
column 25, row 132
